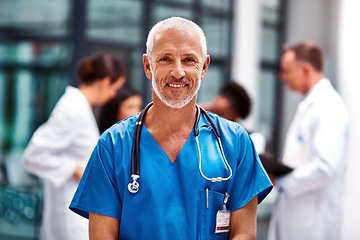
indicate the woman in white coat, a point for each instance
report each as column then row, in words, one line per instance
column 310, row 197
column 60, row 148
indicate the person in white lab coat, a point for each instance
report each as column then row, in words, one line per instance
column 310, row 197
column 60, row 148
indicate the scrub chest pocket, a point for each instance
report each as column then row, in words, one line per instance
column 210, row 203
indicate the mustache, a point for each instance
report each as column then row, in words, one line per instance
column 177, row 80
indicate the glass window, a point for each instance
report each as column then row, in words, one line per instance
column 34, row 53
column 269, row 44
column 164, row 11
column 34, row 17
column 58, row 82
column 2, row 110
column 217, row 36
column 270, row 10
column 174, row 2
column 34, row 75
column 115, row 20
column 22, row 108
column 223, row 5
column 267, row 103
column 7, row 110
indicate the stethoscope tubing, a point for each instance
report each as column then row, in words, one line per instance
column 135, row 150
column 217, row 179
column 133, row 186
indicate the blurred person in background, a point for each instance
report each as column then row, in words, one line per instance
column 127, row 102
column 60, row 148
column 234, row 103
column 310, row 197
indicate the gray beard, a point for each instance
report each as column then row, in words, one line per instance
column 171, row 102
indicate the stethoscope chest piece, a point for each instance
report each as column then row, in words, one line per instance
column 133, row 187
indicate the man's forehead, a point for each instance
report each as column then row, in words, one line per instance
column 169, row 39
column 188, row 30
column 289, row 55
column 172, row 32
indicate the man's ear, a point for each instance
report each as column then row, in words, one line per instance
column 205, row 67
column 146, row 63
column 307, row 68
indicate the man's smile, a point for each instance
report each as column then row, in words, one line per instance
column 176, row 85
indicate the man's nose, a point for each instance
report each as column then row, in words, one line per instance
column 178, row 70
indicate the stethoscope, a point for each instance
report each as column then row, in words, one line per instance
column 133, row 186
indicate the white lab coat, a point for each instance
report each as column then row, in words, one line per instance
column 66, row 139
column 310, row 198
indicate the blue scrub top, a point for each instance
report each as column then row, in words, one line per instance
column 171, row 202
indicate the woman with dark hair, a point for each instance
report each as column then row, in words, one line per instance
column 60, row 148
column 127, row 102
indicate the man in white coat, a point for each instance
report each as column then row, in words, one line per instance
column 310, row 197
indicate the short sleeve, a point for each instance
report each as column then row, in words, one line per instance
column 250, row 177
column 98, row 186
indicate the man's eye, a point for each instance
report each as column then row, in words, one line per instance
column 189, row 60
column 164, row 59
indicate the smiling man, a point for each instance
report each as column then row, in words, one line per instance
column 200, row 176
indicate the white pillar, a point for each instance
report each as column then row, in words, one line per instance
column 349, row 86
column 245, row 66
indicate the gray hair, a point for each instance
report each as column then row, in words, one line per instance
column 177, row 23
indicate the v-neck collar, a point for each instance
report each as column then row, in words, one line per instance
column 156, row 145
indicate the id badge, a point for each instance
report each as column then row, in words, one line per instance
column 222, row 221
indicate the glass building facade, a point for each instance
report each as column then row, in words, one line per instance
column 269, row 92
column 41, row 43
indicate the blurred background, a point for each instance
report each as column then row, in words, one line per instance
column 42, row 41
